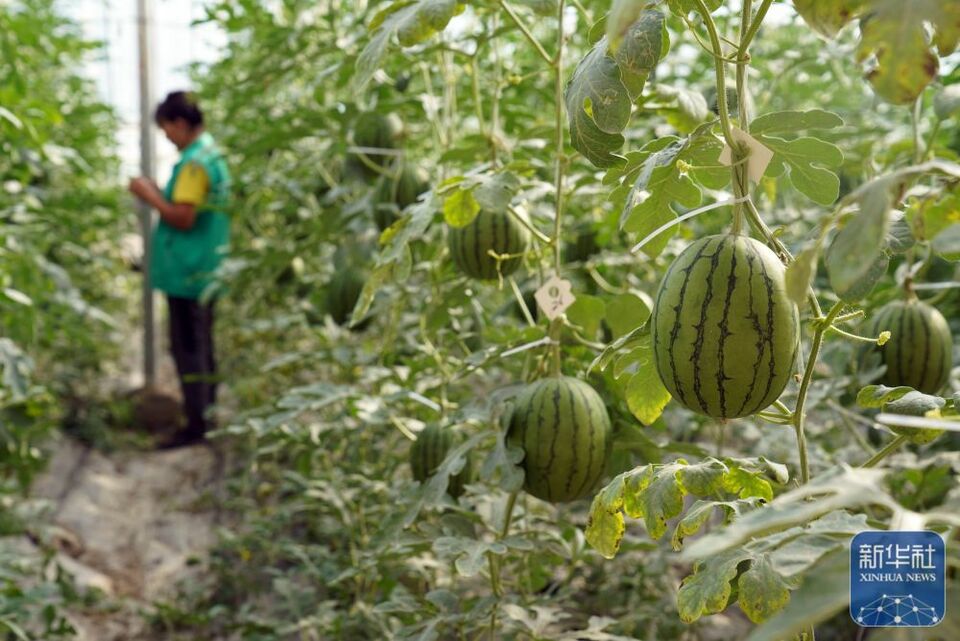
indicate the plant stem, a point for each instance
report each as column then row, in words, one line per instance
column 888, row 449
column 558, row 124
column 743, row 59
column 720, row 71
column 754, row 217
column 746, row 39
column 798, row 413
column 477, row 102
column 540, row 236
column 526, row 32
column 853, row 337
column 915, row 126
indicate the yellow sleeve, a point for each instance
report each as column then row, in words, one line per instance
column 192, row 185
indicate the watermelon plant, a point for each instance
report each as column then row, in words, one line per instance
column 736, row 194
column 64, row 291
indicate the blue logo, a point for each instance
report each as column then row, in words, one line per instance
column 897, row 579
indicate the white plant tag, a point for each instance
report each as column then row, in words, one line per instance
column 760, row 156
column 555, row 297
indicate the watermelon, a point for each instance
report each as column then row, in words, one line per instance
column 919, row 353
column 342, row 293
column 430, row 449
column 498, row 231
column 376, row 131
column 725, row 333
column 563, row 428
column 396, row 193
column 583, row 246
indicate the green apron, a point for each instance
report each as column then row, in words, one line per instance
column 183, row 262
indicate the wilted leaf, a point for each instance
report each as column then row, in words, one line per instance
column 800, row 275
column 895, row 34
column 763, row 592
column 825, row 591
column 707, row 590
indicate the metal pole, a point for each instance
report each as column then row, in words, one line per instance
column 147, row 152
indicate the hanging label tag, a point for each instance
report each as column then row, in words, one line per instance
column 555, row 297
column 760, row 156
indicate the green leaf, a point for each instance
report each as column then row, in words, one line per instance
column 663, row 179
column 503, row 462
column 691, row 106
column 857, row 247
column 851, row 291
column 6, row 114
column 598, row 107
column 412, row 21
column 946, row 103
column 800, row 275
column 806, row 159
column 496, row 192
column 778, row 122
column 623, row 13
column 640, row 50
column 762, row 591
column 626, row 312
column 683, row 7
column 707, row 590
column 947, row 243
column 587, row 312
column 876, row 396
column 914, row 403
column 460, row 208
column 600, row 94
column 625, row 342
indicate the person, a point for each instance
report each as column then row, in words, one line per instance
column 189, row 242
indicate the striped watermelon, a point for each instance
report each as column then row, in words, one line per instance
column 377, row 131
column 430, row 449
column 725, row 334
column 919, row 353
column 563, row 428
column 583, row 246
column 396, row 193
column 497, row 231
column 342, row 293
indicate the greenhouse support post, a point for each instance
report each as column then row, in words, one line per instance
column 146, row 169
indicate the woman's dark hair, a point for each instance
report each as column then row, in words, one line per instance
column 179, row 104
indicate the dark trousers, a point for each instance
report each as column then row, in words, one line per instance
column 191, row 341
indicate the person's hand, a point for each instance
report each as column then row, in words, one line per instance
column 142, row 187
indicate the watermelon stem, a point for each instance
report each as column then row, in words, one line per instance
column 888, row 449
column 854, row 337
column 798, row 414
